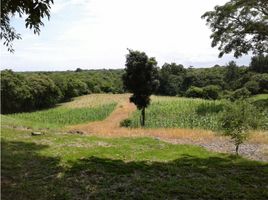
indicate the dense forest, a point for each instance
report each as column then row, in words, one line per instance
column 27, row 91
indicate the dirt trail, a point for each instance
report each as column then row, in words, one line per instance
column 110, row 127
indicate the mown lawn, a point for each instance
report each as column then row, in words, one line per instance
column 64, row 166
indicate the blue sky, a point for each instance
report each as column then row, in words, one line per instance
column 94, row 34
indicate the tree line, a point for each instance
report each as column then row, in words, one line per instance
column 229, row 81
column 27, row 91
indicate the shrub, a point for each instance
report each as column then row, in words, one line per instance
column 253, row 87
column 125, row 123
column 237, row 119
column 195, row 92
column 239, row 94
column 211, row 92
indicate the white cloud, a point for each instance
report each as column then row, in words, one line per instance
column 96, row 34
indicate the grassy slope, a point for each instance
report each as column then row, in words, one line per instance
column 82, row 109
column 59, row 117
column 60, row 166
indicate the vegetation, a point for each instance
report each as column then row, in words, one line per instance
column 59, row 117
column 239, row 26
column 33, row 11
column 171, row 112
column 174, row 112
column 140, row 79
column 62, row 166
column 238, row 119
column 83, row 109
column 28, row 91
column 259, row 64
column 33, row 91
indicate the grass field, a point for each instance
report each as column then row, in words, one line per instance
column 59, row 165
column 174, row 112
column 62, row 166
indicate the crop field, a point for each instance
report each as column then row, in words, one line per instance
column 61, row 165
column 80, row 110
column 95, row 100
column 174, row 112
column 61, row 116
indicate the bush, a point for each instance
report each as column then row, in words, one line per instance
column 125, row 123
column 237, row 119
column 194, row 92
column 211, row 92
column 262, row 80
column 253, row 87
column 239, row 94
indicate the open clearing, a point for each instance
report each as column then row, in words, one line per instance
column 113, row 162
column 255, row 148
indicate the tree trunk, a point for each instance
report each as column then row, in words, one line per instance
column 236, row 149
column 143, row 117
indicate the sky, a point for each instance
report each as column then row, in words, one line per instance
column 95, row 34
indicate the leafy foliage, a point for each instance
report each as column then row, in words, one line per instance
column 33, row 91
column 194, row 92
column 259, row 64
column 241, row 93
column 237, row 119
column 140, row 79
column 34, row 11
column 239, row 26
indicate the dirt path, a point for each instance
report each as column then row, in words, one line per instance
column 256, row 148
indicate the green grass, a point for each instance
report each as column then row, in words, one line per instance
column 58, row 117
column 61, row 166
column 180, row 113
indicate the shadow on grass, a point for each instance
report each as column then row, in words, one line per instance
column 28, row 175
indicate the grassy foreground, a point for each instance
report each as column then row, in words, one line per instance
column 63, row 166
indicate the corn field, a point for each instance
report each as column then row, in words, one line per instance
column 62, row 116
column 180, row 113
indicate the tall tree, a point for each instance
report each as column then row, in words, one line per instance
column 140, row 78
column 33, row 10
column 231, row 75
column 259, row 63
column 239, row 26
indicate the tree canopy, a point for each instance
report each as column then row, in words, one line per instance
column 239, row 26
column 33, row 10
column 140, row 79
